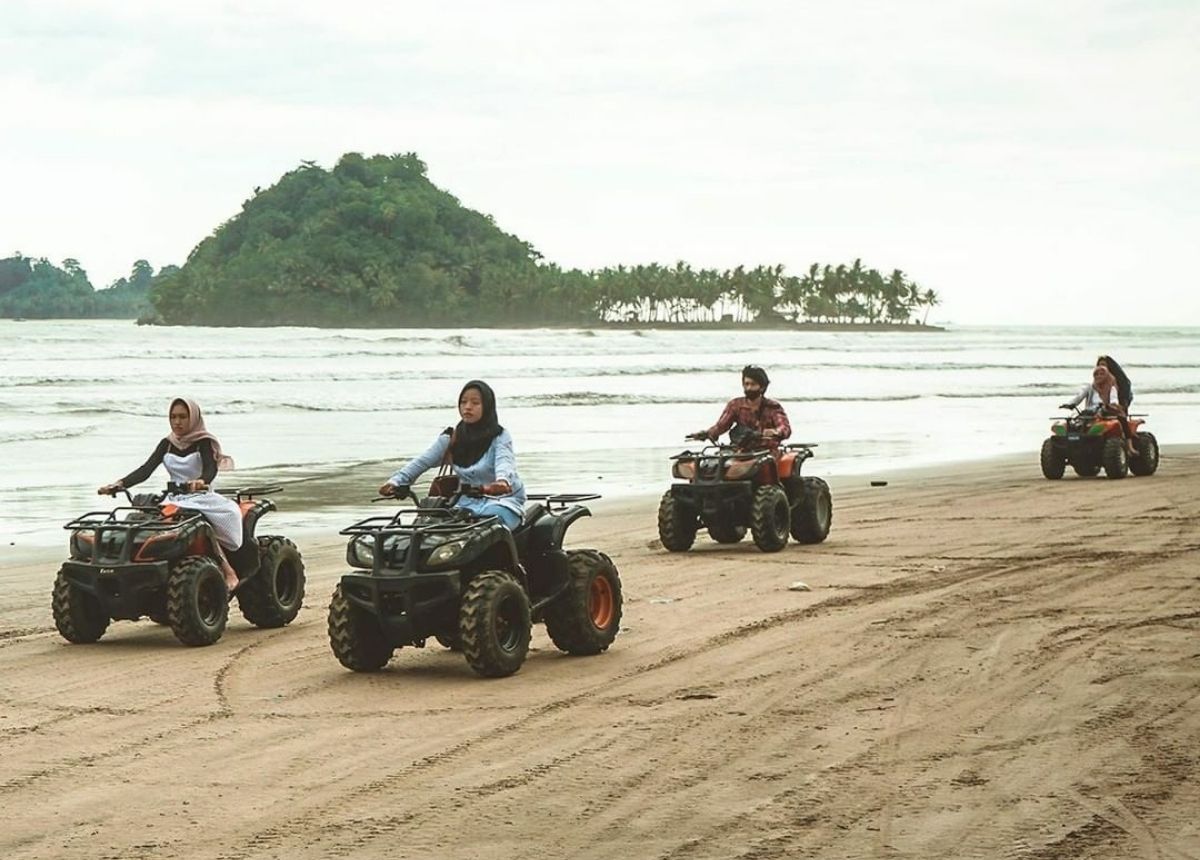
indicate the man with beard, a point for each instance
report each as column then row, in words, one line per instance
column 754, row 420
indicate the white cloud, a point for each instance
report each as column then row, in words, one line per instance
column 1021, row 158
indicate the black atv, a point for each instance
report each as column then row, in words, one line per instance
column 439, row 572
column 156, row 560
column 729, row 488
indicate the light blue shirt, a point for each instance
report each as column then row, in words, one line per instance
column 498, row 463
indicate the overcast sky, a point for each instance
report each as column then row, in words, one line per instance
column 1031, row 161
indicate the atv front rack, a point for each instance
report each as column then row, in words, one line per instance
column 425, row 521
column 108, row 520
column 731, row 452
column 114, row 541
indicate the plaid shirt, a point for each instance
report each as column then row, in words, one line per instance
column 766, row 415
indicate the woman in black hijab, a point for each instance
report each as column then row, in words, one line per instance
column 477, row 451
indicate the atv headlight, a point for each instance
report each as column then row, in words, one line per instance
column 684, row 469
column 360, row 552
column 447, row 552
column 738, row 469
column 82, row 542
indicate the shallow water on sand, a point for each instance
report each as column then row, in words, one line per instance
column 334, row 411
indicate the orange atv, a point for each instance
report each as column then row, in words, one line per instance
column 156, row 560
column 1090, row 441
column 729, row 488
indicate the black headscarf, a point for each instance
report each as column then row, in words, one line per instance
column 471, row 441
column 1124, row 386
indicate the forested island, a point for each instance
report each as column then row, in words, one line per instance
column 373, row 242
column 37, row 289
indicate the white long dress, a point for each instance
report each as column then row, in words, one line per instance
column 222, row 512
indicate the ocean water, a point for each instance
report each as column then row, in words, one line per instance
column 83, row 402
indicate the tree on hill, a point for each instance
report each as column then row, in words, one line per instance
column 37, row 289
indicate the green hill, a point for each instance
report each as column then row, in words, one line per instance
column 371, row 242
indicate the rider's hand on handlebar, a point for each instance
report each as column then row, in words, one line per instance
column 388, row 489
column 1067, row 406
column 110, row 489
column 699, row 436
column 497, row 488
column 196, row 486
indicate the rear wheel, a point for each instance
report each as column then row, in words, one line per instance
column 272, row 597
column 494, row 622
column 1054, row 462
column 197, row 601
column 1114, row 458
column 1086, row 470
column 587, row 618
column 1146, row 461
column 677, row 524
column 78, row 615
column 355, row 637
column 724, row 532
column 813, row 514
column 770, row 518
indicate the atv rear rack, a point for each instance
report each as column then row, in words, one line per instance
column 246, row 493
column 558, row 501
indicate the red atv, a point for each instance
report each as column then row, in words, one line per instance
column 729, row 488
column 1090, row 441
column 156, row 560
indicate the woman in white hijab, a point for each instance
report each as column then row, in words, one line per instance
column 192, row 457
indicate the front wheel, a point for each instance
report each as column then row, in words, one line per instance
column 1114, row 458
column 770, row 518
column 355, row 637
column 813, row 514
column 272, row 597
column 1054, row 462
column 495, row 625
column 585, row 620
column 197, row 601
column 1146, row 461
column 677, row 524
column 78, row 615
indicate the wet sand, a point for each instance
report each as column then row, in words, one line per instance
column 987, row 665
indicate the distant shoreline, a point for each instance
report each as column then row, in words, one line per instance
column 780, row 325
column 772, row 326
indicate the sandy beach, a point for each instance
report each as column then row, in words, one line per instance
column 987, row 665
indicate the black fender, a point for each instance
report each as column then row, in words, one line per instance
column 252, row 516
column 500, row 554
column 548, row 531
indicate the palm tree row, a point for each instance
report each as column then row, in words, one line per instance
column 681, row 294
